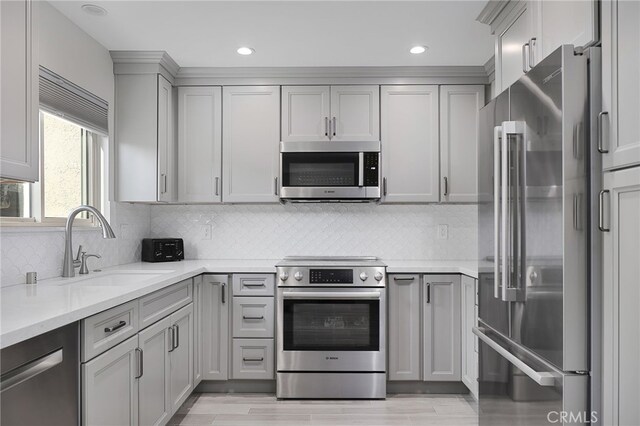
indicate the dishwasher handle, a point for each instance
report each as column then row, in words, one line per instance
column 30, row 370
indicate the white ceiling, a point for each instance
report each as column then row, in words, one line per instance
column 292, row 33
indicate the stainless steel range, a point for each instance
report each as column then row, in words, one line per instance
column 331, row 326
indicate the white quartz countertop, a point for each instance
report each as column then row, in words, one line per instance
column 30, row 310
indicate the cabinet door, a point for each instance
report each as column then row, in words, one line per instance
column 181, row 356
column 215, row 327
column 305, row 113
column 153, row 395
column 621, row 332
column 620, row 83
column 251, row 144
column 253, row 317
column 110, row 387
column 253, row 359
column 197, row 330
column 166, row 141
column 404, row 327
column 441, row 296
column 510, row 59
column 199, row 144
column 564, row 22
column 355, row 113
column 459, row 144
column 469, row 372
column 409, row 124
column 19, row 90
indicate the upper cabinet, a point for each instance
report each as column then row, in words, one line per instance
column 250, row 143
column 528, row 31
column 410, row 161
column 459, row 127
column 339, row 113
column 19, row 90
column 619, row 138
column 199, row 144
column 145, row 138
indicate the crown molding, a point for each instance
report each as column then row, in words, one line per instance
column 491, row 11
column 144, row 61
column 490, row 66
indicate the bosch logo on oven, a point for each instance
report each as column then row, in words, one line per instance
column 332, row 357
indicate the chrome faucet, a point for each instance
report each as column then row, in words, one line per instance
column 69, row 264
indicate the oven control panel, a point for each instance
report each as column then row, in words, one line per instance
column 328, row 276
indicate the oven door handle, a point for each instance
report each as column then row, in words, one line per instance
column 333, row 296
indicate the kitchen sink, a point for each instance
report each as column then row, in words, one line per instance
column 117, row 278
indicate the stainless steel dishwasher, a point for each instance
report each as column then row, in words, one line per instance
column 40, row 380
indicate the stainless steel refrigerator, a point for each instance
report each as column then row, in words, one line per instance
column 534, row 226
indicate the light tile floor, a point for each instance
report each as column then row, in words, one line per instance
column 265, row 410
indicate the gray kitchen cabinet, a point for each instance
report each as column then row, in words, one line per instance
column 145, row 139
column 110, row 386
column 620, row 208
column 19, row 88
column 253, row 317
column 253, row 285
column 253, row 359
column 409, row 137
column 199, row 144
column 459, row 144
column 181, row 356
column 513, row 38
column 404, row 327
column 250, row 149
column 214, row 336
column 161, row 303
column 153, row 388
column 619, row 125
column 441, row 328
column 197, row 329
column 323, row 113
column 469, row 373
column 106, row 329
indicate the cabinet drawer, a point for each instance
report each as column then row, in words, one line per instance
column 106, row 329
column 253, row 284
column 253, row 359
column 164, row 302
column 253, row 317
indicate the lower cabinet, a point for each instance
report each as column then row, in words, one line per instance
column 181, row 356
column 441, row 328
column 253, row 359
column 404, row 352
column 154, row 385
column 214, row 337
column 469, row 340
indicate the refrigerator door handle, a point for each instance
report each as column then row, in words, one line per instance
column 497, row 179
column 540, row 377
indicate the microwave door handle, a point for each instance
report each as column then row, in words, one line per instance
column 361, row 169
column 497, row 135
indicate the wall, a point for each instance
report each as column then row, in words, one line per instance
column 275, row 231
column 68, row 51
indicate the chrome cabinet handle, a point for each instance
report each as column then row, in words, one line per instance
column 177, row 335
column 577, row 202
column 601, row 211
column 384, row 186
column 446, row 186
column 326, row 126
column 171, row 339
column 261, row 284
column 524, row 57
column 140, row 363
column 601, row 149
column 28, row 371
column 532, row 53
column 223, row 291
column 253, row 359
column 115, row 327
column 275, row 185
column 217, row 185
column 404, row 278
column 428, row 292
column 252, row 318
column 334, row 125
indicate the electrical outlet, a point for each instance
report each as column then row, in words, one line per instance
column 443, row 232
column 124, row 231
column 205, row 232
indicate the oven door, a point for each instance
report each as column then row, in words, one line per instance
column 337, row 329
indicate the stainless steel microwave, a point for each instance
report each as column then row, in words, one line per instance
column 330, row 171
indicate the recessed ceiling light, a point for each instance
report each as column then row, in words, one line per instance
column 93, row 9
column 245, row 50
column 418, row 49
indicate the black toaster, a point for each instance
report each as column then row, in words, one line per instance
column 162, row 249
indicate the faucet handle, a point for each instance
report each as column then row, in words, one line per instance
column 83, row 262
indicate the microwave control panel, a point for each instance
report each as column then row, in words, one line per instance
column 371, row 168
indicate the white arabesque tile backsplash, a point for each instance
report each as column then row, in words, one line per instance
column 274, row 231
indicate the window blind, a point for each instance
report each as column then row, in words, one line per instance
column 61, row 97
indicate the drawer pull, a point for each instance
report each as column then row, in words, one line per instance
column 261, row 284
column 115, row 327
column 253, row 318
column 253, row 359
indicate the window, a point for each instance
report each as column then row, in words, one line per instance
column 70, row 164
